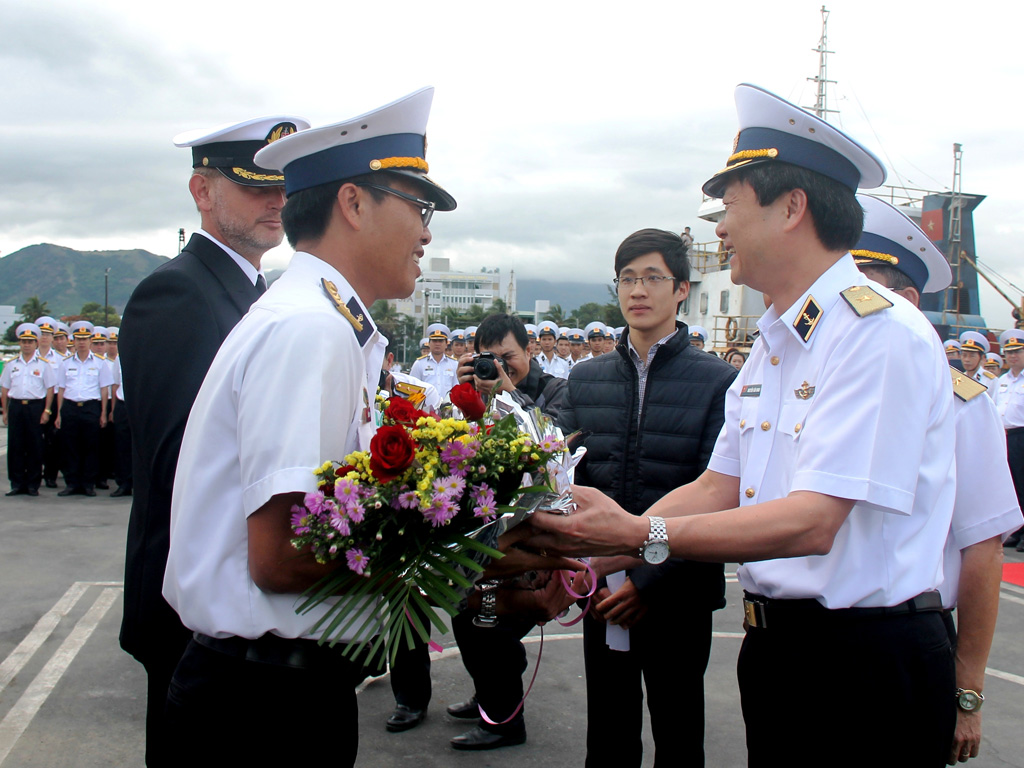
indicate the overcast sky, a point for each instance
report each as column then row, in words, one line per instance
column 560, row 127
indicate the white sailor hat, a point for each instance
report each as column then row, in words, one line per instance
column 62, row 329
column 619, row 331
column 46, row 324
column 459, row 334
column 471, row 333
column 951, row 344
column 993, row 359
column 576, row 335
column 563, row 333
column 28, row 332
column 230, row 148
column 438, row 331
column 1011, row 340
column 890, row 238
column 424, row 342
column 390, row 139
column 111, row 333
column 699, row 331
column 99, row 333
column 531, row 331
column 547, row 327
column 774, row 131
column 82, row 329
column 594, row 330
column 972, row 341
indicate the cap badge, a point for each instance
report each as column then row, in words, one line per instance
column 281, row 130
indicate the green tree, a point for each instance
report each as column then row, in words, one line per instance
column 499, row 307
column 589, row 312
column 556, row 315
column 9, row 334
column 95, row 314
column 32, row 309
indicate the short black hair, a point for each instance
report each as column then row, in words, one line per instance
column 494, row 328
column 837, row 216
column 890, row 277
column 307, row 213
column 668, row 244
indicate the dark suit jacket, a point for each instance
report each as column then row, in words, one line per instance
column 172, row 327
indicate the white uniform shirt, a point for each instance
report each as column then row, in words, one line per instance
column 986, row 503
column 115, row 366
column 1010, row 399
column 828, row 415
column 83, row 380
column 28, row 380
column 556, row 366
column 431, row 397
column 988, row 379
column 53, row 356
column 291, row 387
column 442, row 375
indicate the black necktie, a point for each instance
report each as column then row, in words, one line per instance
column 261, row 284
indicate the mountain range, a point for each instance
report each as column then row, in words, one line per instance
column 66, row 279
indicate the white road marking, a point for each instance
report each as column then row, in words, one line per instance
column 17, row 659
column 1012, row 599
column 1008, row 676
column 20, row 715
column 1012, row 588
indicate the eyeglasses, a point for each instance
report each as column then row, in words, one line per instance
column 651, row 281
column 426, row 207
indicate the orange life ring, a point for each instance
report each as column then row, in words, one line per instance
column 732, row 329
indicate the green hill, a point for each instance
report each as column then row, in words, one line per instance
column 66, row 279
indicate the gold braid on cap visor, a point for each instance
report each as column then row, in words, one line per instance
column 416, row 163
column 875, row 256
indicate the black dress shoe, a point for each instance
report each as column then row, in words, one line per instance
column 479, row 739
column 121, row 491
column 69, row 491
column 88, row 492
column 403, row 718
column 32, row 492
column 465, row 710
column 16, row 492
column 51, row 483
column 102, row 485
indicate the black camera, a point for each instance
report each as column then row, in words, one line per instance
column 485, row 366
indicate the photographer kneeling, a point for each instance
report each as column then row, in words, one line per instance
column 491, row 648
column 502, row 364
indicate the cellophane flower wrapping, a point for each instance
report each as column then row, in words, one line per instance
column 414, row 520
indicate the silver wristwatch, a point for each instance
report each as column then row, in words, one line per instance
column 969, row 701
column 656, row 550
column 488, row 616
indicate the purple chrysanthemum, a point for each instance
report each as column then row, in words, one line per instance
column 317, row 503
column 356, row 560
column 409, row 500
column 339, row 523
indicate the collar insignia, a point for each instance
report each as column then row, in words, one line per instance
column 807, row 319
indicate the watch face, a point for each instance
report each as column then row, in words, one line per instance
column 969, row 701
column 656, row 552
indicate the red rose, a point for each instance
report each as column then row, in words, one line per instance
column 468, row 400
column 401, row 411
column 391, row 453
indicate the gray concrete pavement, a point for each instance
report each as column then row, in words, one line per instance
column 70, row 697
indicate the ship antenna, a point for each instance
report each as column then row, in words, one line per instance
column 821, row 80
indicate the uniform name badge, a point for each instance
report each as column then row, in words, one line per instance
column 751, row 390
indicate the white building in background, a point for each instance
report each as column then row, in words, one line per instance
column 441, row 288
column 7, row 316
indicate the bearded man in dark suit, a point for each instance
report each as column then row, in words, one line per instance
column 173, row 326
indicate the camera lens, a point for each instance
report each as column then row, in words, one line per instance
column 484, row 368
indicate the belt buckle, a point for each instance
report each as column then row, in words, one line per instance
column 24, row 402
column 80, row 403
column 753, row 612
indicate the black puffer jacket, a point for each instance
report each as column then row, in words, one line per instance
column 637, row 464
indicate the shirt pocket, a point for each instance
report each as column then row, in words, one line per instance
column 793, row 418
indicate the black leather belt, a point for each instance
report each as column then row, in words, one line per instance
column 762, row 612
column 1015, row 430
column 278, row 651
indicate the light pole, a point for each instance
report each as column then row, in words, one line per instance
column 106, row 296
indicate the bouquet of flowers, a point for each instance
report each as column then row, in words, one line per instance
column 405, row 518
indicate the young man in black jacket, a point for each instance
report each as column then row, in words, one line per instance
column 650, row 413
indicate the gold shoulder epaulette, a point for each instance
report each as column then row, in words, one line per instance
column 964, row 386
column 332, row 291
column 989, row 374
column 405, row 388
column 865, row 300
column 423, row 356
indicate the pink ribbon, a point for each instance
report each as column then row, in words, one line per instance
column 435, row 647
column 568, row 588
column 519, row 706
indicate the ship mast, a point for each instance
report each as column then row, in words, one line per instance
column 821, row 80
column 954, row 242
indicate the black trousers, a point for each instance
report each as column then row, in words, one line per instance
column 123, row 444
column 669, row 651
column 226, row 711
column 25, row 443
column 1015, row 458
column 849, row 692
column 53, row 449
column 80, row 431
column 410, row 675
column 495, row 659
